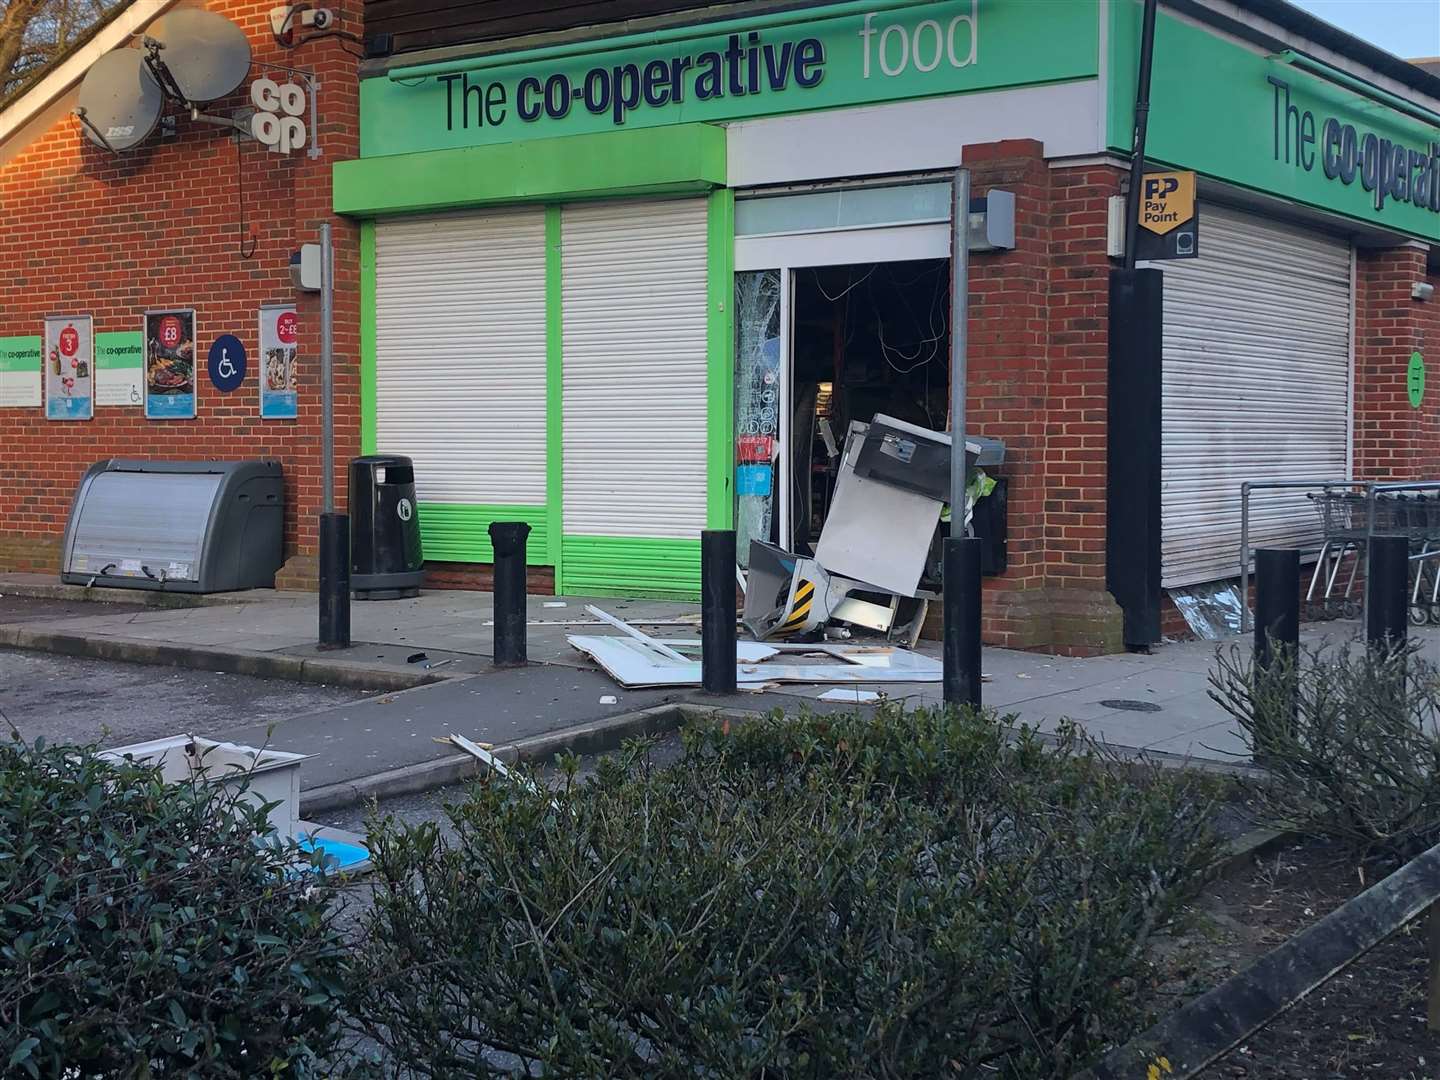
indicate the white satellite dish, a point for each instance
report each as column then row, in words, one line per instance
column 120, row 100
column 201, row 56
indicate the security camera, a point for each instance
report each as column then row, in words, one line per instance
column 1422, row 290
column 318, row 18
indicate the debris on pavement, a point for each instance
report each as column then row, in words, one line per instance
column 263, row 776
column 876, row 545
column 852, row 695
column 638, row 660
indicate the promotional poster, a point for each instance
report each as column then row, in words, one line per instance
column 279, row 399
column 170, row 364
column 69, row 367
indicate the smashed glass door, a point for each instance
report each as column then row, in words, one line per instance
column 758, row 407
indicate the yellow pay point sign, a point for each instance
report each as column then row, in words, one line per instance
column 1167, row 200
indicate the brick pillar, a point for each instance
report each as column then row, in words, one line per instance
column 1087, row 620
column 1006, row 385
column 1037, row 368
column 1393, row 440
column 338, row 138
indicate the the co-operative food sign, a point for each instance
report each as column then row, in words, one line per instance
column 746, row 70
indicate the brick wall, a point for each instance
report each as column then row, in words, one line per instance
column 1037, row 369
column 1394, row 441
column 88, row 232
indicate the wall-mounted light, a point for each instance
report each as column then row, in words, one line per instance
column 1422, row 290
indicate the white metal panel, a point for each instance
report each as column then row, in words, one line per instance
column 1256, row 386
column 905, row 136
column 635, row 403
column 840, row 247
column 460, row 353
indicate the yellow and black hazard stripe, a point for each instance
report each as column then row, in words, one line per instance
column 804, row 601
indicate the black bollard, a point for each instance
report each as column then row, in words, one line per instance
column 508, row 540
column 717, row 611
column 1277, row 605
column 334, row 581
column 1277, row 648
column 1387, row 602
column 962, row 621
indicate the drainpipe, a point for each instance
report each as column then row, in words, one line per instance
column 1142, row 119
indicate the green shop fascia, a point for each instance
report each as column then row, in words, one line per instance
column 514, row 341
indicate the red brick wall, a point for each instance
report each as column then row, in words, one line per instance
column 87, row 232
column 1037, row 369
column 1394, row 441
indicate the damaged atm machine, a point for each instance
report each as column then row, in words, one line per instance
column 876, row 564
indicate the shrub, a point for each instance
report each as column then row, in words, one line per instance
column 144, row 931
column 1350, row 739
column 902, row 896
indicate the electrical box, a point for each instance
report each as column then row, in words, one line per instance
column 176, row 526
column 305, row 268
column 992, row 221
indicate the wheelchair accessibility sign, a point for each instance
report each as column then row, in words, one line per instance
column 227, row 363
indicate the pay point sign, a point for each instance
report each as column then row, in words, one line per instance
column 1169, row 222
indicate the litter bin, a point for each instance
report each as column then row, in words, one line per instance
column 386, row 560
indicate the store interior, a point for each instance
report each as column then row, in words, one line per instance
column 871, row 338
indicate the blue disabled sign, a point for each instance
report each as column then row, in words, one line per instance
column 227, row 363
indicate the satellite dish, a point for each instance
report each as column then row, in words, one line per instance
column 205, row 55
column 119, row 100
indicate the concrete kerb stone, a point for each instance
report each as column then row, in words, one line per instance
column 596, row 737
column 134, row 597
column 268, row 665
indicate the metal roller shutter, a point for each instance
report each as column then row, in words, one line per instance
column 460, row 355
column 635, row 407
column 1256, row 386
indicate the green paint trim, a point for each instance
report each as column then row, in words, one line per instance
column 665, row 160
column 663, row 569
column 720, row 430
column 116, row 350
column 452, row 532
column 20, row 353
column 367, row 337
column 554, row 392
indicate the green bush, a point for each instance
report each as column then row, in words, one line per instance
column 144, row 931
column 1350, row 740
column 905, row 896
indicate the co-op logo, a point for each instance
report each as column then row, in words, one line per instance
column 277, row 121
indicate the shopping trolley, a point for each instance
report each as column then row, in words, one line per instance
column 1349, row 519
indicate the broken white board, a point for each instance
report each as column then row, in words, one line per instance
column 635, row 663
column 850, row 694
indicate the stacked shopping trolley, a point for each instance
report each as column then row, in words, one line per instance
column 1351, row 519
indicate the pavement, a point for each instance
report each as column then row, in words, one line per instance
column 431, row 656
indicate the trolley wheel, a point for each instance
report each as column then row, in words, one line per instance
column 1419, row 614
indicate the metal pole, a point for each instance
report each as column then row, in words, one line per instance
column 327, row 369
column 717, row 611
column 961, row 554
column 1142, row 122
column 959, row 340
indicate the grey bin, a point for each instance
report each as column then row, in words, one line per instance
column 176, row 526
